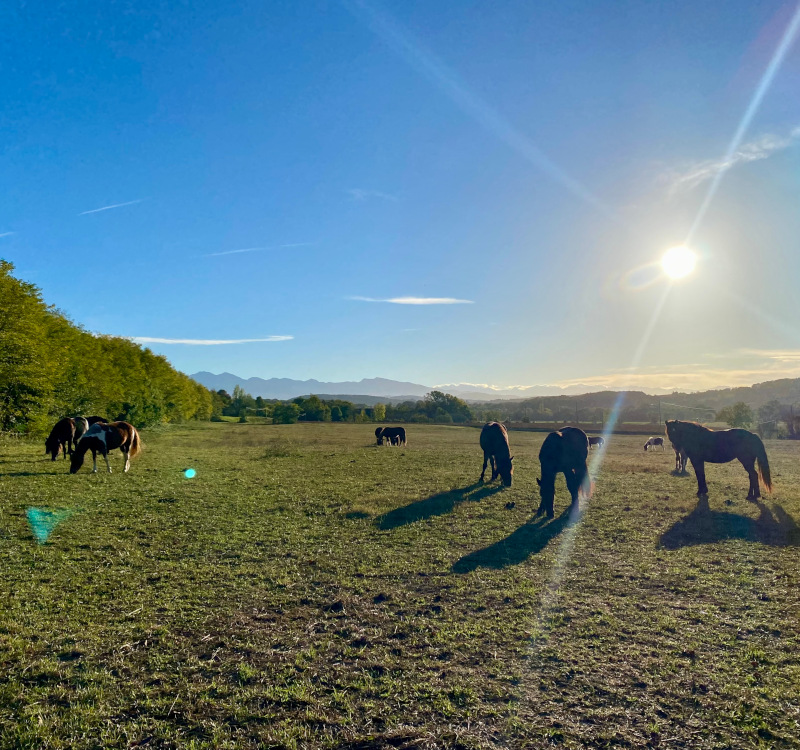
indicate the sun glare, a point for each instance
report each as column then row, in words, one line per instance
column 678, row 262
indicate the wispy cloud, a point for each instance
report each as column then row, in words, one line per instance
column 776, row 355
column 257, row 249
column 107, row 208
column 357, row 194
column 692, row 175
column 417, row 300
column 205, row 342
column 6, row 234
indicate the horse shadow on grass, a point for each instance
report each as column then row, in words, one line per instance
column 527, row 540
column 436, row 505
column 775, row 527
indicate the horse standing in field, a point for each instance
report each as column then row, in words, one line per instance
column 598, row 441
column 680, row 459
column 702, row 444
column 392, row 436
column 61, row 438
column 563, row 451
column 102, row 438
column 653, row 442
column 494, row 442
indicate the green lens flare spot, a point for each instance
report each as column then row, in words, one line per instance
column 43, row 522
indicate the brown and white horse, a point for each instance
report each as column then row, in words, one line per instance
column 102, row 438
column 596, row 440
column 653, row 442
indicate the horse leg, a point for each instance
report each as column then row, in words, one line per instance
column 750, row 466
column 127, row 460
column 105, row 456
column 573, row 484
column 494, row 466
column 94, row 461
column 700, row 472
column 485, row 461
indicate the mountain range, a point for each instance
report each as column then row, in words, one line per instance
column 389, row 390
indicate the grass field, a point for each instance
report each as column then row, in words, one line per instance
column 308, row 589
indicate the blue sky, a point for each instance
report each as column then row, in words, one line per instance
column 528, row 160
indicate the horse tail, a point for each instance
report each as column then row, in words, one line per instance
column 136, row 444
column 763, row 465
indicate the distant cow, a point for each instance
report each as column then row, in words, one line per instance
column 392, row 436
column 494, row 442
column 597, row 440
column 653, row 442
column 563, row 451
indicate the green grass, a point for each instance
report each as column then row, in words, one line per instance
column 308, row 589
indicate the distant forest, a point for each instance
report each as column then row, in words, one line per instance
column 50, row 368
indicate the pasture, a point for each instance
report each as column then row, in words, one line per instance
column 309, row 589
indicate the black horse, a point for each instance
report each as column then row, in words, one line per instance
column 494, row 442
column 597, row 440
column 701, row 444
column 392, row 435
column 61, row 438
column 563, row 451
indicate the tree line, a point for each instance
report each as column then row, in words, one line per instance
column 436, row 407
column 50, row 367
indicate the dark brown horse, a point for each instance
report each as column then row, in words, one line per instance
column 61, row 438
column 494, row 442
column 563, row 451
column 378, row 438
column 719, row 447
column 102, row 438
column 392, row 436
column 597, row 440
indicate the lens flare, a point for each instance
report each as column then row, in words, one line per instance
column 678, row 262
column 189, row 473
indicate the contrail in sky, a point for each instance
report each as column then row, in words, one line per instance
column 257, row 249
column 106, row 208
column 6, row 234
column 204, row 342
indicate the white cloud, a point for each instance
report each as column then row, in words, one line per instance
column 6, row 234
column 695, row 174
column 417, row 300
column 106, row 208
column 204, row 342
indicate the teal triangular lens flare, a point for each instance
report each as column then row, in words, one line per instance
column 43, row 522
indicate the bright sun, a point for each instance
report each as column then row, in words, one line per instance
column 678, row 262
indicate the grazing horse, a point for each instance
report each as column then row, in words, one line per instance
column 598, row 441
column 62, row 438
column 393, row 436
column 718, row 447
column 653, row 442
column 494, row 442
column 563, row 451
column 102, row 438
column 378, row 435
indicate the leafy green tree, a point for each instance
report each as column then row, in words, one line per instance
column 379, row 412
column 336, row 413
column 736, row 415
column 287, row 413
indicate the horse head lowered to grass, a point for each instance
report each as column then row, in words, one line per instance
column 102, row 438
column 563, row 451
column 701, row 444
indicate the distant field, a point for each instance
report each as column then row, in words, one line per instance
column 308, row 589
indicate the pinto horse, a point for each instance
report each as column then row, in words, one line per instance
column 563, row 451
column 103, row 437
column 61, row 438
column 702, row 444
column 597, row 440
column 653, row 442
column 494, row 442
